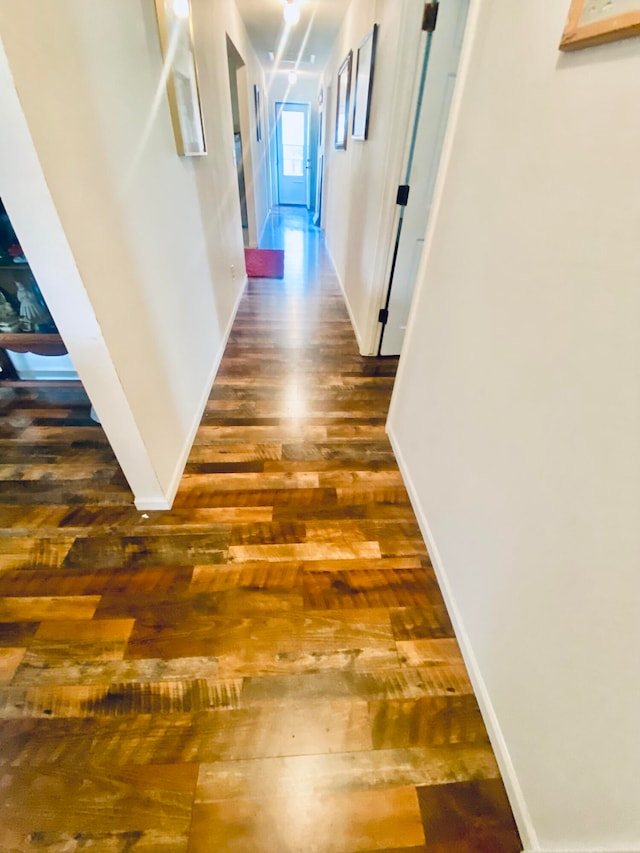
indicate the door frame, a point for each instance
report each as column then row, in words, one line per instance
column 306, row 108
column 410, row 77
column 430, row 119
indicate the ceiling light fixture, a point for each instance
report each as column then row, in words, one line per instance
column 291, row 13
column 181, row 8
column 293, row 78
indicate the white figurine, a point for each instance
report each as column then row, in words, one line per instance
column 32, row 313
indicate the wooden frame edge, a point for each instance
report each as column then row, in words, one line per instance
column 172, row 96
column 576, row 36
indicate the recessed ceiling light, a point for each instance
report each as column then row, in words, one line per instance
column 181, row 8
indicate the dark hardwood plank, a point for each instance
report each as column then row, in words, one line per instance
column 469, row 817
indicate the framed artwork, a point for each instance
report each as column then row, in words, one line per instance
column 176, row 40
column 342, row 102
column 256, row 101
column 364, row 84
column 592, row 22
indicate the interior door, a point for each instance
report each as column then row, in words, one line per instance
column 442, row 57
column 292, row 142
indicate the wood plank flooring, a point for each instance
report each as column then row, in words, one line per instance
column 267, row 667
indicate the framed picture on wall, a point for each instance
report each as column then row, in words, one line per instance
column 592, row 22
column 176, row 40
column 363, row 85
column 342, row 102
column 256, row 101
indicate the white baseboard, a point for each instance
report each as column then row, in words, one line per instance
column 514, row 792
column 152, row 504
column 347, row 303
column 167, row 502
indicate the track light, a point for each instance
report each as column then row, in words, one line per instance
column 291, row 13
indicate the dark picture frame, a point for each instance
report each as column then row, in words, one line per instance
column 256, row 102
column 343, row 96
column 363, row 85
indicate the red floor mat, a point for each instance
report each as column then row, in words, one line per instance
column 264, row 263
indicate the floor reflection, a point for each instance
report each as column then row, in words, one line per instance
column 291, row 229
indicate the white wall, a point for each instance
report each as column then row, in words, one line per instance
column 516, row 415
column 361, row 182
column 156, row 238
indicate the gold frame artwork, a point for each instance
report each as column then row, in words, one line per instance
column 183, row 92
column 592, row 22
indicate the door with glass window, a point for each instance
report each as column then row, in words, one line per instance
column 292, row 141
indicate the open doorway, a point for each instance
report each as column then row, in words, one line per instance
column 235, row 63
column 317, row 217
column 435, row 85
column 31, row 349
column 292, row 143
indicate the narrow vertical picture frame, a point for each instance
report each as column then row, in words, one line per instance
column 342, row 102
column 175, row 27
column 258, row 111
column 363, row 86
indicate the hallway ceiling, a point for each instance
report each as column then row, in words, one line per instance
column 321, row 19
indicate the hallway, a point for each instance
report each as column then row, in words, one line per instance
column 267, row 667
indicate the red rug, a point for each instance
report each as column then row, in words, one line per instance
column 264, row 263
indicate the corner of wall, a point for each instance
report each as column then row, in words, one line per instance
column 174, row 484
column 352, row 318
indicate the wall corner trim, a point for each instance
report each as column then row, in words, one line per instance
column 516, row 797
column 362, row 350
column 152, row 504
column 142, row 503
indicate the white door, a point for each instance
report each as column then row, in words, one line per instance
column 431, row 123
column 292, row 141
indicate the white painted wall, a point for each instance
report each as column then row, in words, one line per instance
column 516, row 415
column 361, row 182
column 27, row 197
column 156, row 238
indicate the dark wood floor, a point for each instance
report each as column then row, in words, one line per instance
column 269, row 666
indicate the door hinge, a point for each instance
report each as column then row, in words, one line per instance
column 430, row 17
column 383, row 316
column 402, row 197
